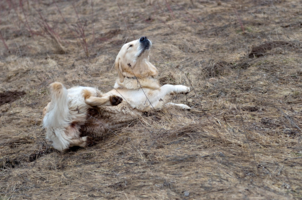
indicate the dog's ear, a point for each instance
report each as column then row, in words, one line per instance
column 118, row 67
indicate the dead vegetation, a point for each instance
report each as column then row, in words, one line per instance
column 241, row 140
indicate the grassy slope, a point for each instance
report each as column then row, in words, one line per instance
column 241, row 139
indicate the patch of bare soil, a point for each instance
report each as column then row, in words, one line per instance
column 9, row 96
column 241, row 140
column 260, row 50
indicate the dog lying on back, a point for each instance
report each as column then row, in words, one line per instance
column 67, row 112
column 136, row 83
column 67, row 116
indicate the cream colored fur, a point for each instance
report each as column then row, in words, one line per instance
column 143, row 92
column 133, row 61
column 135, row 85
column 66, row 112
column 145, row 99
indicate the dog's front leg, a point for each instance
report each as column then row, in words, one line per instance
column 171, row 89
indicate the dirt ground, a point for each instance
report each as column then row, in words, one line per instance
column 241, row 140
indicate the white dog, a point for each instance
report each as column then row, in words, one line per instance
column 135, row 87
column 67, row 112
column 136, row 82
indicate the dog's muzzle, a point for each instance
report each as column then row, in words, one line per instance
column 145, row 43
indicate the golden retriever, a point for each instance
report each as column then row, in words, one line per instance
column 132, row 63
column 136, row 82
column 135, row 90
column 67, row 112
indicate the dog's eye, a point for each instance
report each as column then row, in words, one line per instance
column 129, row 64
column 130, row 45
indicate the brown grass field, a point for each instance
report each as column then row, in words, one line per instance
column 241, row 140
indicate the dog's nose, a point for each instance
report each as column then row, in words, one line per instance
column 142, row 39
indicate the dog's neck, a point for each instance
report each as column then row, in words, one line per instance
column 134, row 83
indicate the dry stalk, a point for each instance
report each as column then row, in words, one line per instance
column 52, row 33
column 26, row 21
column 169, row 8
column 81, row 32
column 57, row 39
column 93, row 32
column 69, row 27
column 239, row 20
column 11, row 5
column 4, row 43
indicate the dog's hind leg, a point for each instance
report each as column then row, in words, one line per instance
column 99, row 101
column 178, row 105
column 93, row 100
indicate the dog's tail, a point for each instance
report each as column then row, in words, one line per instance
column 56, row 120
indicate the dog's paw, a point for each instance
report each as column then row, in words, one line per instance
column 187, row 90
column 115, row 100
column 181, row 89
column 185, row 107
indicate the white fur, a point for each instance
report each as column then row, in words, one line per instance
column 66, row 107
column 145, row 99
column 143, row 91
column 133, row 83
column 133, row 61
column 67, row 110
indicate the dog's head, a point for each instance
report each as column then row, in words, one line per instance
column 133, row 60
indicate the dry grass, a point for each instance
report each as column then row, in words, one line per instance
column 242, row 139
